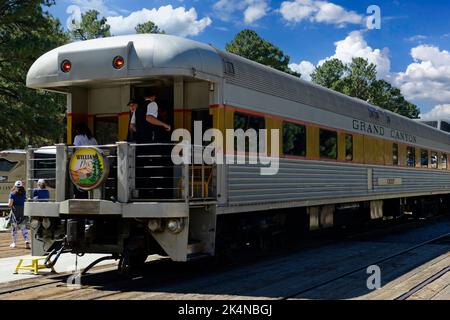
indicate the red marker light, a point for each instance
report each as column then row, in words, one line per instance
column 118, row 62
column 66, row 66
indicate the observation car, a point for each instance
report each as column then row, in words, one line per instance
column 341, row 160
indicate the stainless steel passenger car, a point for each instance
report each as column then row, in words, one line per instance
column 340, row 157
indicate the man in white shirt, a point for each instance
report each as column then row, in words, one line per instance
column 152, row 112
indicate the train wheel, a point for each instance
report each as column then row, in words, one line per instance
column 129, row 264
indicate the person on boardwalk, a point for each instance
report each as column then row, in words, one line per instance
column 16, row 202
column 41, row 193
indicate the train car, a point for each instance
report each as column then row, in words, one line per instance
column 441, row 124
column 341, row 160
column 13, row 167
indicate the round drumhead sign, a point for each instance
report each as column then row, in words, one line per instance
column 88, row 168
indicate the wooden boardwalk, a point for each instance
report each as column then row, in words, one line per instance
column 276, row 278
column 334, row 271
column 6, row 251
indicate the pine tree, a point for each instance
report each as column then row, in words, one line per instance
column 97, row 169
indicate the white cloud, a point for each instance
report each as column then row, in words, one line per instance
column 354, row 45
column 176, row 21
column 428, row 77
column 305, row 68
column 417, row 38
column 318, row 11
column 98, row 5
column 253, row 10
column 334, row 14
column 441, row 111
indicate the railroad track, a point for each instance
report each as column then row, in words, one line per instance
column 424, row 284
column 166, row 272
column 378, row 262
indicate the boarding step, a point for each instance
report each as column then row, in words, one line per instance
column 195, row 247
column 197, row 256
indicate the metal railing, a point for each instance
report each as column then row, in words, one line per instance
column 138, row 173
column 40, row 165
column 157, row 178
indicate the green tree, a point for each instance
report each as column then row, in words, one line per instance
column 384, row 95
column 359, row 79
column 250, row 45
column 90, row 27
column 97, row 170
column 330, row 74
column 148, row 27
column 27, row 116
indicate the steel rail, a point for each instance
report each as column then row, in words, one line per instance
column 364, row 267
column 423, row 284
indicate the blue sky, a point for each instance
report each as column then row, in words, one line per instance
column 411, row 49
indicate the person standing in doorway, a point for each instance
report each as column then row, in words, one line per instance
column 132, row 129
column 148, row 123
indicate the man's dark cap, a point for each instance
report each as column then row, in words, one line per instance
column 132, row 101
column 149, row 94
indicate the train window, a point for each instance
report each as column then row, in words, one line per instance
column 245, row 121
column 294, row 139
column 328, row 144
column 205, row 118
column 411, row 157
column 348, row 147
column 6, row 165
column 229, row 68
column 444, row 161
column 434, row 160
column 395, row 154
column 45, row 168
column 433, row 124
column 106, row 129
column 445, row 126
column 424, row 158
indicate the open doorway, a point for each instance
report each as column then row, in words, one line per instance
column 154, row 176
column 164, row 98
column 106, row 129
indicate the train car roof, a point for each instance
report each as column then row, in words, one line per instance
column 16, row 151
column 145, row 55
column 150, row 55
column 46, row 150
column 43, row 150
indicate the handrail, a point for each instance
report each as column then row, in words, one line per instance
column 139, row 172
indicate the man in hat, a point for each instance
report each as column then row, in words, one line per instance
column 132, row 131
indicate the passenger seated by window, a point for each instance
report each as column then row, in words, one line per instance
column 83, row 136
column 41, row 193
